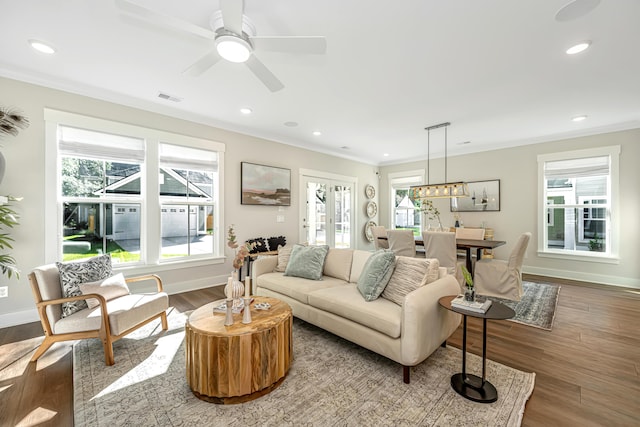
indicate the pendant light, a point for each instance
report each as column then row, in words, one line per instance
column 445, row 190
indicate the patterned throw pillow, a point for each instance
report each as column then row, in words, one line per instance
column 409, row 275
column 72, row 274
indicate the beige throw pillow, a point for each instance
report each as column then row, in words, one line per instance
column 409, row 275
column 284, row 253
column 110, row 288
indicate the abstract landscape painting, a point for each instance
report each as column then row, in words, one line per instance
column 265, row 185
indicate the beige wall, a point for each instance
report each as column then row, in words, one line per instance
column 25, row 177
column 516, row 168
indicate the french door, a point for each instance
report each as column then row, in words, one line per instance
column 328, row 217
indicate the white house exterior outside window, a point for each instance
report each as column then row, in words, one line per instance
column 142, row 195
column 405, row 212
column 578, row 204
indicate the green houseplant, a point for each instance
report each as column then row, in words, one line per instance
column 8, row 219
column 431, row 212
column 469, row 293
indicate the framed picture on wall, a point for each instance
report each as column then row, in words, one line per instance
column 265, row 185
column 484, row 197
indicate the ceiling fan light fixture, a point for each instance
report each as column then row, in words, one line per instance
column 233, row 48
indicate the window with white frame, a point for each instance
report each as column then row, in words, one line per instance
column 579, row 195
column 405, row 212
column 141, row 195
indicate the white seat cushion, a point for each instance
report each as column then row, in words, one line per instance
column 295, row 287
column 124, row 312
column 346, row 301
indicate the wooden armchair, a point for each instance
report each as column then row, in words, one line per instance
column 109, row 321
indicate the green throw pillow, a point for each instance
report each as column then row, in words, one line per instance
column 307, row 261
column 376, row 274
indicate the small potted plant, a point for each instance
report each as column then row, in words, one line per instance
column 470, row 292
column 431, row 212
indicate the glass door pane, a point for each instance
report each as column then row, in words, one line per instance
column 342, row 204
column 315, row 223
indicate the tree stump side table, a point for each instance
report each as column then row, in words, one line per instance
column 241, row 362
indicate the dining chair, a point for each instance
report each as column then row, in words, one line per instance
column 401, row 242
column 470, row 233
column 379, row 231
column 442, row 245
column 502, row 279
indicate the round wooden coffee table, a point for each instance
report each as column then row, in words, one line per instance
column 238, row 363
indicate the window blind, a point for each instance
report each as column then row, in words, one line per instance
column 577, row 168
column 179, row 157
column 84, row 143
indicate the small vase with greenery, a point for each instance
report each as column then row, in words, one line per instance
column 469, row 293
column 431, row 212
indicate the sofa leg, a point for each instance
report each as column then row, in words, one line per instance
column 406, row 374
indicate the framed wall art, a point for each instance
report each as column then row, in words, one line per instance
column 265, row 185
column 484, row 197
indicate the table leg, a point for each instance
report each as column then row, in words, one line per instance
column 469, row 263
column 471, row 386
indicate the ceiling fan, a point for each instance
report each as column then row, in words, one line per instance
column 235, row 39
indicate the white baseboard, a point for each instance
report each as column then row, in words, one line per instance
column 626, row 282
column 27, row 316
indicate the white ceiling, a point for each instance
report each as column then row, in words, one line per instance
column 495, row 69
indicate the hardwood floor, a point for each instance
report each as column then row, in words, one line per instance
column 587, row 368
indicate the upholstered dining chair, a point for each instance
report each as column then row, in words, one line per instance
column 379, row 231
column 109, row 320
column 402, row 243
column 502, row 279
column 442, row 245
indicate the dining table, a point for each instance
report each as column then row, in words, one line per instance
column 467, row 245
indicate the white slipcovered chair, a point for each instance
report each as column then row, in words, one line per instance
column 442, row 245
column 502, row 279
column 109, row 320
column 379, row 231
column 402, row 243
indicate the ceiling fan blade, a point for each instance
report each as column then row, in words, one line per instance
column 165, row 20
column 202, row 64
column 263, row 73
column 293, row 44
column 232, row 15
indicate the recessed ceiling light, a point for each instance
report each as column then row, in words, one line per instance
column 42, row 47
column 291, row 124
column 386, row 154
column 246, row 110
column 579, row 118
column 582, row 46
column 317, row 133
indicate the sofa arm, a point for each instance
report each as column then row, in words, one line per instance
column 425, row 324
column 263, row 265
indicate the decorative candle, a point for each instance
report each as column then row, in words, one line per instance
column 247, row 287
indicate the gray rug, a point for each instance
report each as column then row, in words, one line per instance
column 331, row 382
column 537, row 307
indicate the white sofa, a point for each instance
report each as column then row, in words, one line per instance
column 407, row 334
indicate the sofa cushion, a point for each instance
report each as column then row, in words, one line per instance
column 110, row 288
column 409, row 275
column 284, row 253
column 376, row 274
column 345, row 301
column 76, row 272
column 359, row 260
column 338, row 263
column 295, row 287
column 307, row 261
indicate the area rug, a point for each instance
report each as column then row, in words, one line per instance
column 537, row 307
column 331, row 382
